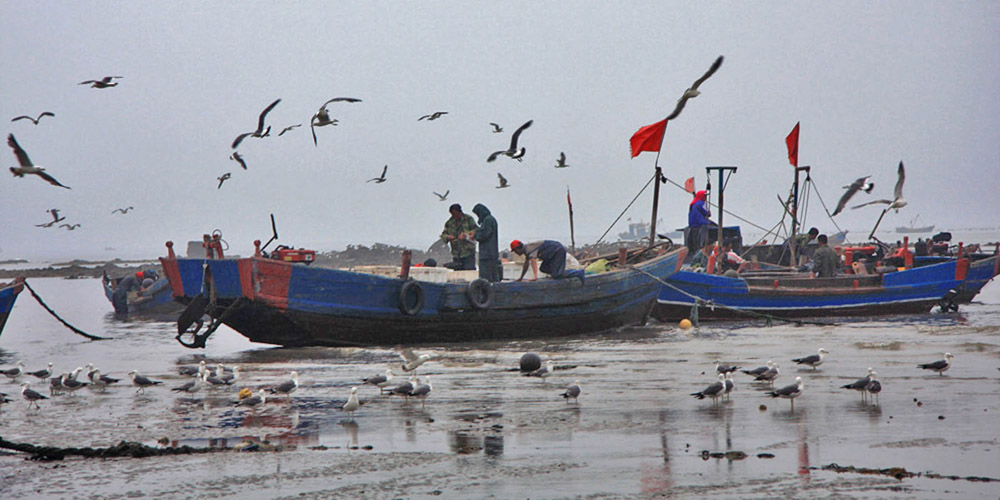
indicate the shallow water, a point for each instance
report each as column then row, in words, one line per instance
column 488, row 432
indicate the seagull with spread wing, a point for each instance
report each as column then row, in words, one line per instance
column 238, row 159
column 34, row 120
column 380, row 179
column 561, row 162
column 896, row 203
column 862, row 184
column 496, row 128
column 225, row 177
column 26, row 167
column 693, row 90
column 261, row 131
column 440, row 196
column 513, row 150
column 122, row 210
column 70, row 227
column 103, row 83
column 288, row 128
column 55, row 218
column 322, row 117
column 503, row 181
column 433, row 116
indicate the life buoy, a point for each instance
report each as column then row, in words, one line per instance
column 480, row 293
column 411, row 298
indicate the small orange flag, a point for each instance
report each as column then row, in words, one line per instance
column 689, row 185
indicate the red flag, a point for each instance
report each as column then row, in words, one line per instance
column 792, row 141
column 689, row 185
column 648, row 138
column 568, row 200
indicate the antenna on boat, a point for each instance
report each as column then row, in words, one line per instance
column 274, row 234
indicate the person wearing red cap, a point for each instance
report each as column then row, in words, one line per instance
column 553, row 257
column 119, row 297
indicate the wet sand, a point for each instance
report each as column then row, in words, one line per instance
column 488, row 432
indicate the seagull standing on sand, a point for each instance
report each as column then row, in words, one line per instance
column 238, row 159
column 26, row 167
column 693, row 90
column 756, row 372
column 15, row 372
column 874, row 387
column 433, row 116
column 192, row 369
column 411, row 361
column 789, row 392
column 720, row 367
column 730, row 384
column 42, row 374
column 422, row 390
column 191, row 386
column 352, row 403
column 31, row 396
column 861, row 385
column 939, row 366
column 381, row 381
column 55, row 218
column 512, row 150
column 713, row 391
column 572, row 392
column 405, row 388
column 812, row 360
column 543, row 372
column 380, row 179
column 71, row 384
column 862, row 184
column 142, row 382
column 261, row 131
column 769, row 375
column 503, row 181
column 287, row 387
column 253, row 402
column 898, row 201
column 34, row 120
column 225, row 177
column 101, row 381
column 322, row 117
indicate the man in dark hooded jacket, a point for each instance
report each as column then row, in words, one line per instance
column 490, row 268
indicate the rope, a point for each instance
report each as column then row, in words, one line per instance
column 727, row 212
column 56, row 316
column 827, row 210
column 766, row 317
column 653, row 236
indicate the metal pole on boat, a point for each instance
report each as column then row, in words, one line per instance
column 722, row 189
column 656, row 187
column 572, row 237
column 795, row 214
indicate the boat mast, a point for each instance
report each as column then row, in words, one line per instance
column 722, row 188
column 795, row 212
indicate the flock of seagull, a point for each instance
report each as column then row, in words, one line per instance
column 868, row 386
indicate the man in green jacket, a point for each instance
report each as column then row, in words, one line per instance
column 459, row 230
column 490, row 268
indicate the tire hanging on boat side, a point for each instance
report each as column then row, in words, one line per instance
column 480, row 293
column 411, row 298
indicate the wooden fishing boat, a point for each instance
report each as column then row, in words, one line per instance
column 273, row 301
column 8, row 294
column 914, row 290
column 158, row 299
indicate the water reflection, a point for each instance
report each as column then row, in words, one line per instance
column 468, row 443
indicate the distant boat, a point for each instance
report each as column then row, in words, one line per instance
column 913, row 228
column 8, row 294
column 155, row 300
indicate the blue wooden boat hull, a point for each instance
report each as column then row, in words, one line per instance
column 914, row 290
column 158, row 299
column 8, row 295
column 982, row 270
column 290, row 304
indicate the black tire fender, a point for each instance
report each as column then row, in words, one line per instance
column 480, row 293
column 411, row 298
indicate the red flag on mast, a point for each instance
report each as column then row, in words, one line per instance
column 792, row 141
column 689, row 185
column 648, row 138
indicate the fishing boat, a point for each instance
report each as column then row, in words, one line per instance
column 8, row 294
column 913, row 228
column 157, row 299
column 281, row 299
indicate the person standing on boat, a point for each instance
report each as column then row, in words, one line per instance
column 826, row 262
column 698, row 222
column 490, row 268
column 553, row 257
column 458, row 232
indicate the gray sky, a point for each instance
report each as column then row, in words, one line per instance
column 871, row 84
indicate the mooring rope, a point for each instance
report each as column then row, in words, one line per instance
column 56, row 316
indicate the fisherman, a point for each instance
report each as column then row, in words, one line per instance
column 826, row 262
column 698, row 222
column 553, row 257
column 458, row 231
column 729, row 260
column 699, row 263
column 801, row 241
column 119, row 297
column 490, row 268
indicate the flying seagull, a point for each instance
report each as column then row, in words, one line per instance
column 896, row 203
column 503, row 181
column 261, row 131
column 55, row 218
column 939, row 366
column 861, row 184
column 225, row 177
column 693, row 90
column 440, row 196
column 238, row 159
column 26, row 167
column 70, row 227
column 561, row 162
column 122, row 210
column 411, row 361
column 288, row 128
column 496, row 128
column 812, row 360
column 34, row 120
column 322, row 117
column 380, row 179
column 512, row 151
column 103, row 83
column 433, row 116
